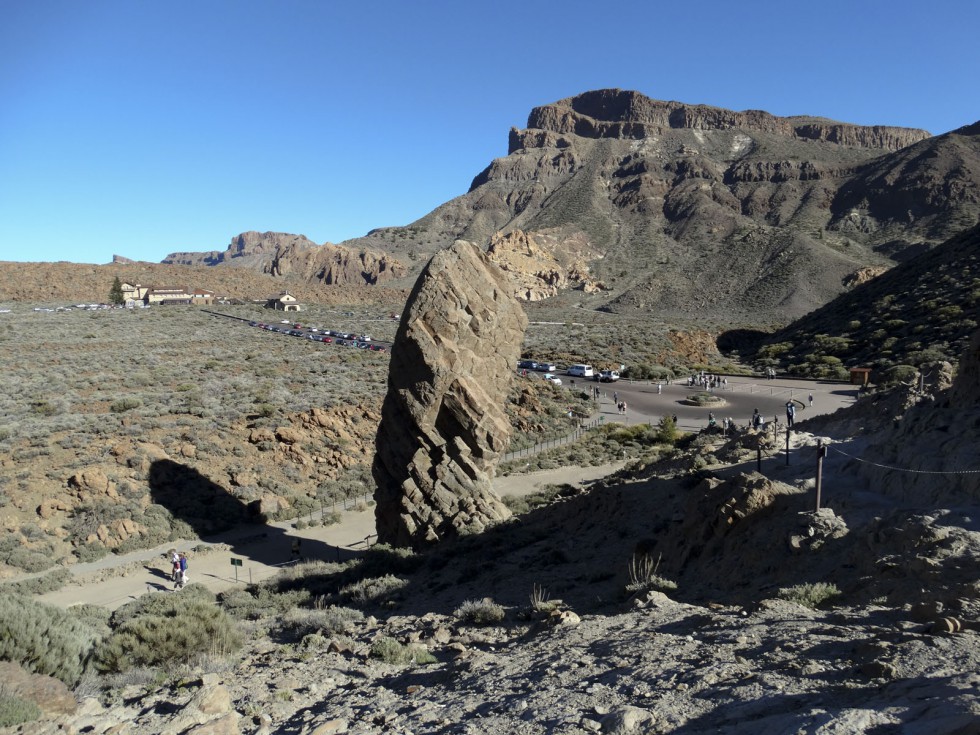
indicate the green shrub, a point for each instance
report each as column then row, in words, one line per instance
column 44, row 639
column 30, row 560
column 480, row 612
column 383, row 559
column 667, row 430
column 333, row 619
column 125, row 404
column 810, row 595
column 166, row 629
column 372, row 589
column 16, row 711
column 899, row 374
column 38, row 585
column 390, row 651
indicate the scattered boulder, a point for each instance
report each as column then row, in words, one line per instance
column 443, row 426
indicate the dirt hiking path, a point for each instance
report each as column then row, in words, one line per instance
column 263, row 549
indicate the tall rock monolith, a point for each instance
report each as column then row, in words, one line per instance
column 443, row 426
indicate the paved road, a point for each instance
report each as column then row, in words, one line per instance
column 645, row 403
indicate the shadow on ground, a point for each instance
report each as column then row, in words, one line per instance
column 215, row 515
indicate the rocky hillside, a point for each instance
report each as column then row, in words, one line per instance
column 687, row 594
column 297, row 259
column 921, row 311
column 690, row 209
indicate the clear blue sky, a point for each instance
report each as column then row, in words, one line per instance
column 140, row 128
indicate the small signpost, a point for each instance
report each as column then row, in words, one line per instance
column 236, row 563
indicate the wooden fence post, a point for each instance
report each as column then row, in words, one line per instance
column 821, row 453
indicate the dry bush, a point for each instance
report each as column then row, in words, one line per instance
column 44, row 639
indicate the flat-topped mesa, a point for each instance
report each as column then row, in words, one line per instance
column 616, row 113
column 443, row 425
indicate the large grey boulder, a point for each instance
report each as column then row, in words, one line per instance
column 443, row 426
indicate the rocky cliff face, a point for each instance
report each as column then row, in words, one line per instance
column 691, row 209
column 616, row 113
column 443, row 426
column 253, row 250
column 541, row 266
column 333, row 265
column 299, row 259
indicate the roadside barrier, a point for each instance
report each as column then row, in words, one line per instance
column 555, row 441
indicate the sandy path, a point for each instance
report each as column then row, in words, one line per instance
column 263, row 550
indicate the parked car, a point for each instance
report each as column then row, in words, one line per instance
column 581, row 371
column 527, row 365
column 546, row 367
column 326, row 340
column 553, row 379
column 608, row 376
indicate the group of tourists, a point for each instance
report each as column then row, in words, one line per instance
column 708, row 381
column 178, row 574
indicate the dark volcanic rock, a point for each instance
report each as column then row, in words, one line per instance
column 443, row 426
column 617, row 113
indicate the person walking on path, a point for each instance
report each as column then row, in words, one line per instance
column 182, row 576
column 790, row 413
column 811, row 400
column 174, row 565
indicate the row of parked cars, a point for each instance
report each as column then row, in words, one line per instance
column 327, row 336
column 578, row 370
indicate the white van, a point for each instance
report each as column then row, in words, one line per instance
column 581, row 371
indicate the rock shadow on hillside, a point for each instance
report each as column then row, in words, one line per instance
column 213, row 514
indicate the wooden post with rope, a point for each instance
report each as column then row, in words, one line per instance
column 787, row 444
column 821, row 453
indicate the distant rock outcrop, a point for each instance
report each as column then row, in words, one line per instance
column 443, row 426
column 298, row 258
column 252, row 250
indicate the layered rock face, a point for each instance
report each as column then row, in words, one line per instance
column 335, row 265
column 540, row 266
column 617, row 113
column 253, row 250
column 297, row 258
column 443, row 426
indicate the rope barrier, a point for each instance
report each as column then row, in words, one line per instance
column 903, row 469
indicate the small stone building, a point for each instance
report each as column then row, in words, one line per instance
column 283, row 302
